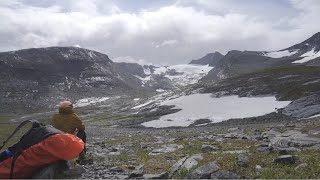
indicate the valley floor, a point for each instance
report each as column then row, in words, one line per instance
column 289, row 149
column 269, row 146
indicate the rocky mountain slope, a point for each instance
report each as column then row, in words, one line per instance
column 211, row 59
column 32, row 79
column 235, row 63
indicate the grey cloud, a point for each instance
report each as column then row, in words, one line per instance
column 170, row 34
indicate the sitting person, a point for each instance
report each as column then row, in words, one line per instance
column 67, row 121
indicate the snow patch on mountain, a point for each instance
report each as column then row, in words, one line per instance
column 280, row 54
column 180, row 75
column 308, row 56
column 90, row 101
column 203, row 106
column 143, row 80
column 147, row 71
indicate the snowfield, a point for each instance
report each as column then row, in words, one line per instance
column 203, row 106
column 308, row 56
column 185, row 74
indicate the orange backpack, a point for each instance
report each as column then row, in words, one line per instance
column 40, row 146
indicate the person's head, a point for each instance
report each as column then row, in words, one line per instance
column 66, row 104
column 66, row 107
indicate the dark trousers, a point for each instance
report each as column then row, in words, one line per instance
column 82, row 135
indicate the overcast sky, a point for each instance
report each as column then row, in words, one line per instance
column 157, row 31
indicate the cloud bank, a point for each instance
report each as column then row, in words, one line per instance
column 174, row 33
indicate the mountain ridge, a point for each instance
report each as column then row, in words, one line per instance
column 236, row 62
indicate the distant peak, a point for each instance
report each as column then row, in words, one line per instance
column 210, row 58
column 316, row 34
column 311, row 43
column 314, row 38
column 214, row 53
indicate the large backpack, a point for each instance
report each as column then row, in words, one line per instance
column 39, row 146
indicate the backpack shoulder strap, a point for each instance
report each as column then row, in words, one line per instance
column 34, row 123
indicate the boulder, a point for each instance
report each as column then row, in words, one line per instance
column 166, row 149
column 208, row 148
column 243, row 160
column 223, row 174
column 258, row 169
column 176, row 166
column 204, row 172
column 138, row 172
column 285, row 159
column 264, row 148
column 191, row 161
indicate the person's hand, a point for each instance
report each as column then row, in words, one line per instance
column 76, row 131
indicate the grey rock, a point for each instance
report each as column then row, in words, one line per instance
column 231, row 136
column 243, row 160
column 301, row 166
column 283, row 152
column 163, row 175
column 204, row 172
column 314, row 132
column 138, row 172
column 166, row 149
column 271, row 133
column 114, row 153
column 208, row 148
column 176, row 166
column 258, row 169
column 113, row 149
column 256, row 135
column 265, row 149
column 223, row 174
column 192, row 161
column 232, row 152
column 285, row 159
column 143, row 146
column 74, row 172
column 118, row 177
column 233, row 129
column 303, row 107
column 293, row 138
column 47, row 172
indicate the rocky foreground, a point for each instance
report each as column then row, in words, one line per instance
column 275, row 150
